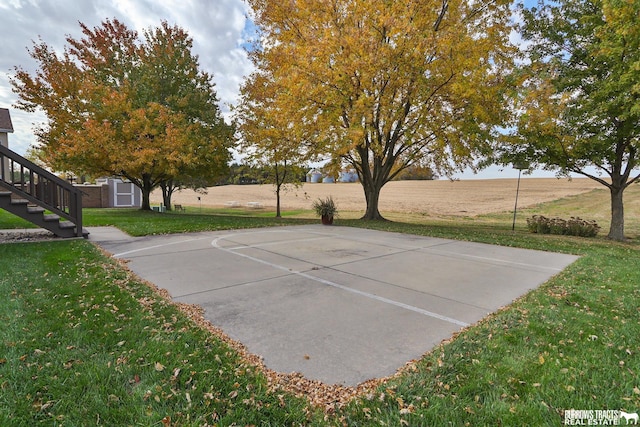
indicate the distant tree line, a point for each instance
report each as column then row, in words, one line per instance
column 248, row 174
column 416, row 173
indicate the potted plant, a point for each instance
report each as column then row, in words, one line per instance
column 326, row 209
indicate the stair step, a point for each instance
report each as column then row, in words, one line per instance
column 51, row 217
column 19, row 202
column 5, row 193
column 35, row 209
column 66, row 224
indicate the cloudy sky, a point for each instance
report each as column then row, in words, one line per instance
column 219, row 29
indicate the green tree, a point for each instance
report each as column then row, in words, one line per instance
column 120, row 105
column 211, row 167
column 416, row 172
column 243, row 174
column 579, row 103
column 379, row 85
column 169, row 73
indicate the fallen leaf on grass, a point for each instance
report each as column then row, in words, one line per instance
column 39, row 406
column 69, row 363
column 159, row 367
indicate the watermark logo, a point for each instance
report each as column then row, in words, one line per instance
column 633, row 418
column 595, row 417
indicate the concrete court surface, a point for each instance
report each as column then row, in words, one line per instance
column 337, row 304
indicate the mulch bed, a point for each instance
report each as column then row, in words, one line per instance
column 25, row 236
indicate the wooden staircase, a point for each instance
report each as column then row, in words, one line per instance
column 40, row 197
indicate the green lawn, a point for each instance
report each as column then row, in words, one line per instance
column 84, row 342
column 138, row 223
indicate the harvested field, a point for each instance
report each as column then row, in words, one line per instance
column 433, row 198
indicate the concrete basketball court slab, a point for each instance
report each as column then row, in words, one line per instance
column 337, row 304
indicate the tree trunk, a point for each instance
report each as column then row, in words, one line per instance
column 146, row 204
column 146, row 193
column 278, row 214
column 167, row 194
column 616, row 231
column 372, row 196
column 166, row 199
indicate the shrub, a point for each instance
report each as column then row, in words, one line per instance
column 573, row 227
column 580, row 227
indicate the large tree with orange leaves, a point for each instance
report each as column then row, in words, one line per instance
column 381, row 85
column 120, row 105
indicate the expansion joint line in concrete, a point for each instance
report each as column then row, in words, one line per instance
column 215, row 244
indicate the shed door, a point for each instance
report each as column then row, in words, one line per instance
column 123, row 194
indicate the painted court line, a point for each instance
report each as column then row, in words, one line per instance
column 215, row 244
column 121, row 254
column 494, row 260
column 280, row 242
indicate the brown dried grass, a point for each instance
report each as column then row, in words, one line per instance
column 432, row 198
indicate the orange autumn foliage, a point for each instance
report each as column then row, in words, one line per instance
column 380, row 85
column 118, row 105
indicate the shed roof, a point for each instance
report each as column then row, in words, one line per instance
column 5, row 121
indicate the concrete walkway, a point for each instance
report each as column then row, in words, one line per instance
column 338, row 304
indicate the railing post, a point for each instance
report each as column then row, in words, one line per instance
column 32, row 188
column 2, row 171
column 75, row 203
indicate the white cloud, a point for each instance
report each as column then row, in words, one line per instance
column 217, row 27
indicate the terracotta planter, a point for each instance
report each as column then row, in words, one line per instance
column 327, row 219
